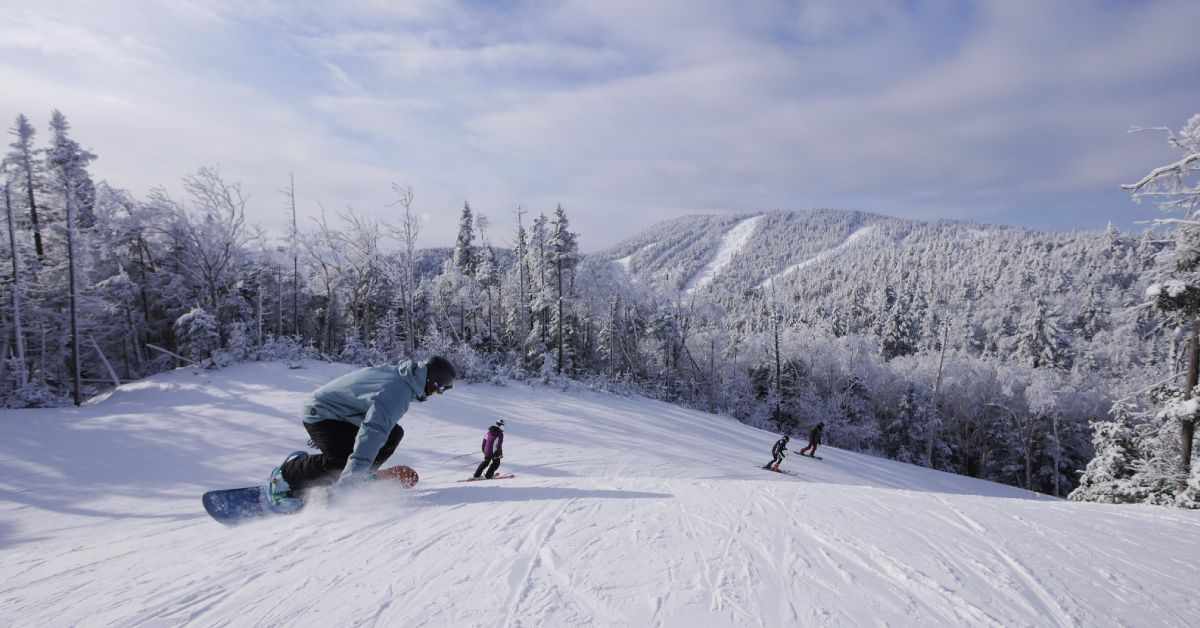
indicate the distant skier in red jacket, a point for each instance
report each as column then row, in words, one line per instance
column 493, row 450
column 814, row 439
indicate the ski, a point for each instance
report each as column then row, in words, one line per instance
column 497, row 477
column 780, row 471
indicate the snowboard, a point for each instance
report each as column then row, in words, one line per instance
column 810, row 456
column 407, row 476
column 494, row 477
column 236, row 505
column 239, row 505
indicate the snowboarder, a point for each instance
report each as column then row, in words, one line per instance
column 779, row 451
column 814, row 439
column 354, row 421
column 493, row 450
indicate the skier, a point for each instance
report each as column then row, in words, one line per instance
column 814, row 439
column 493, row 450
column 779, row 451
column 354, row 421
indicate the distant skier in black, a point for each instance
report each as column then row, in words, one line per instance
column 779, row 451
column 814, row 439
column 493, row 450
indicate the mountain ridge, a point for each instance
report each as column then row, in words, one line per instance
column 654, row 252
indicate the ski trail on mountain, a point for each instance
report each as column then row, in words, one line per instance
column 731, row 244
column 622, row 266
column 819, row 257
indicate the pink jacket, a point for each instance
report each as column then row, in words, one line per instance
column 493, row 443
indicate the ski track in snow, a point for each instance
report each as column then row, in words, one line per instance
column 859, row 234
column 731, row 244
column 613, row 520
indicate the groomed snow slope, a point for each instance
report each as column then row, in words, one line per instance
column 732, row 243
column 625, row 512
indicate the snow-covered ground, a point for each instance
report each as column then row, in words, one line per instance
column 624, row 512
column 858, row 235
column 731, row 244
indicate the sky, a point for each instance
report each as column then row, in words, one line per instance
column 626, row 112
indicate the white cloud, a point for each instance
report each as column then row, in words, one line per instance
column 628, row 112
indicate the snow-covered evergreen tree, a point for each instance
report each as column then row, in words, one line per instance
column 1189, row 497
column 538, row 342
column 1176, row 288
column 27, row 167
column 66, row 163
column 898, row 334
column 902, row 436
column 198, row 335
column 464, row 249
column 562, row 255
column 1038, row 342
column 1109, row 473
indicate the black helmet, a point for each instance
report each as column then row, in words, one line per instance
column 440, row 373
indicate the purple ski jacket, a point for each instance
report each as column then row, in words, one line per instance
column 493, row 443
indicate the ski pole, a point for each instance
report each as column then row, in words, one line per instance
column 460, row 456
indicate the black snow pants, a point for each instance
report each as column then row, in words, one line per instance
column 335, row 439
column 494, row 461
column 776, row 460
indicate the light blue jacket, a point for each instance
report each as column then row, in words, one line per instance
column 374, row 399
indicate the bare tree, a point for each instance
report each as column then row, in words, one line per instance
column 18, row 330
column 211, row 233
column 319, row 258
column 294, row 244
column 351, row 261
column 410, row 227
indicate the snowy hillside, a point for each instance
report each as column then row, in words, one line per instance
column 624, row 512
column 692, row 253
column 857, row 236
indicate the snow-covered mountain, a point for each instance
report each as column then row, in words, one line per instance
column 624, row 512
column 751, row 249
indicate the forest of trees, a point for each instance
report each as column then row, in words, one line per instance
column 996, row 352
